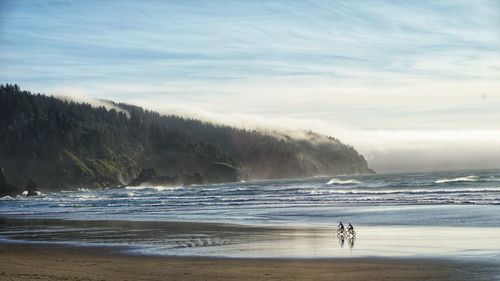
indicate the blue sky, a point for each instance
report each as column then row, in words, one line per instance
column 340, row 67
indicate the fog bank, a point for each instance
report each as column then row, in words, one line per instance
column 386, row 151
column 437, row 150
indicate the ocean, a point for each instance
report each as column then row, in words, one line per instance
column 454, row 215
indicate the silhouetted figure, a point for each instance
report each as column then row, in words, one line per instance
column 350, row 231
column 341, row 226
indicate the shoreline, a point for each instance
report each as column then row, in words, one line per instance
column 55, row 249
column 212, row 239
column 22, row 261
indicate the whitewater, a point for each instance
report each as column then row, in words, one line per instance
column 319, row 200
column 442, row 214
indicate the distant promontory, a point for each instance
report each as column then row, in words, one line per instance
column 66, row 145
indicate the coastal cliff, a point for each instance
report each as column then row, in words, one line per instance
column 66, row 145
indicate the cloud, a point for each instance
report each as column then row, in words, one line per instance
column 349, row 69
column 80, row 95
column 385, row 150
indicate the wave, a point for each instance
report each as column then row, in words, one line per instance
column 343, row 182
column 459, row 179
column 80, row 189
column 157, row 188
column 399, row 191
column 38, row 193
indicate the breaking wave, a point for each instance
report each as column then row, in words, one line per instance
column 157, row 188
column 399, row 191
column 343, row 182
column 459, row 179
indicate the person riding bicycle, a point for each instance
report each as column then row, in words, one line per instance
column 350, row 227
column 341, row 226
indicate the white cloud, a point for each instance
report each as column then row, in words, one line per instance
column 80, row 95
column 400, row 72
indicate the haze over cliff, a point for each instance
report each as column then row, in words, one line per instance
column 67, row 144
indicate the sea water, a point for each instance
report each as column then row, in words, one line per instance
column 445, row 214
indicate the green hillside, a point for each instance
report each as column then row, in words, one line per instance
column 64, row 144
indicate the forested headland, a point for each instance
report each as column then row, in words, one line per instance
column 65, row 145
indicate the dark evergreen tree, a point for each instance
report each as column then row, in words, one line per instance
column 65, row 144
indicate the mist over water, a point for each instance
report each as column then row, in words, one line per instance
column 426, row 150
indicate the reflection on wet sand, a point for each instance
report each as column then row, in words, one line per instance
column 350, row 241
column 341, row 241
column 230, row 240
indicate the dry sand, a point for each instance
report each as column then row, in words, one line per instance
column 56, row 262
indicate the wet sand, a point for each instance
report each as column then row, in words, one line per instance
column 56, row 262
column 245, row 241
column 112, row 250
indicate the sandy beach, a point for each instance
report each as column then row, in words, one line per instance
column 56, row 262
column 249, row 140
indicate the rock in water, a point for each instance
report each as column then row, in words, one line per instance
column 146, row 175
column 6, row 189
column 31, row 187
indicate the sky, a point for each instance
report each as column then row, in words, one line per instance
column 413, row 85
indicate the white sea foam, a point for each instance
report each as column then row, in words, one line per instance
column 398, row 191
column 157, row 188
column 343, row 182
column 459, row 179
column 85, row 197
column 80, row 189
column 25, row 193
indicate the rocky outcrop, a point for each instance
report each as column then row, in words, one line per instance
column 148, row 176
column 70, row 145
column 6, row 189
column 31, row 188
